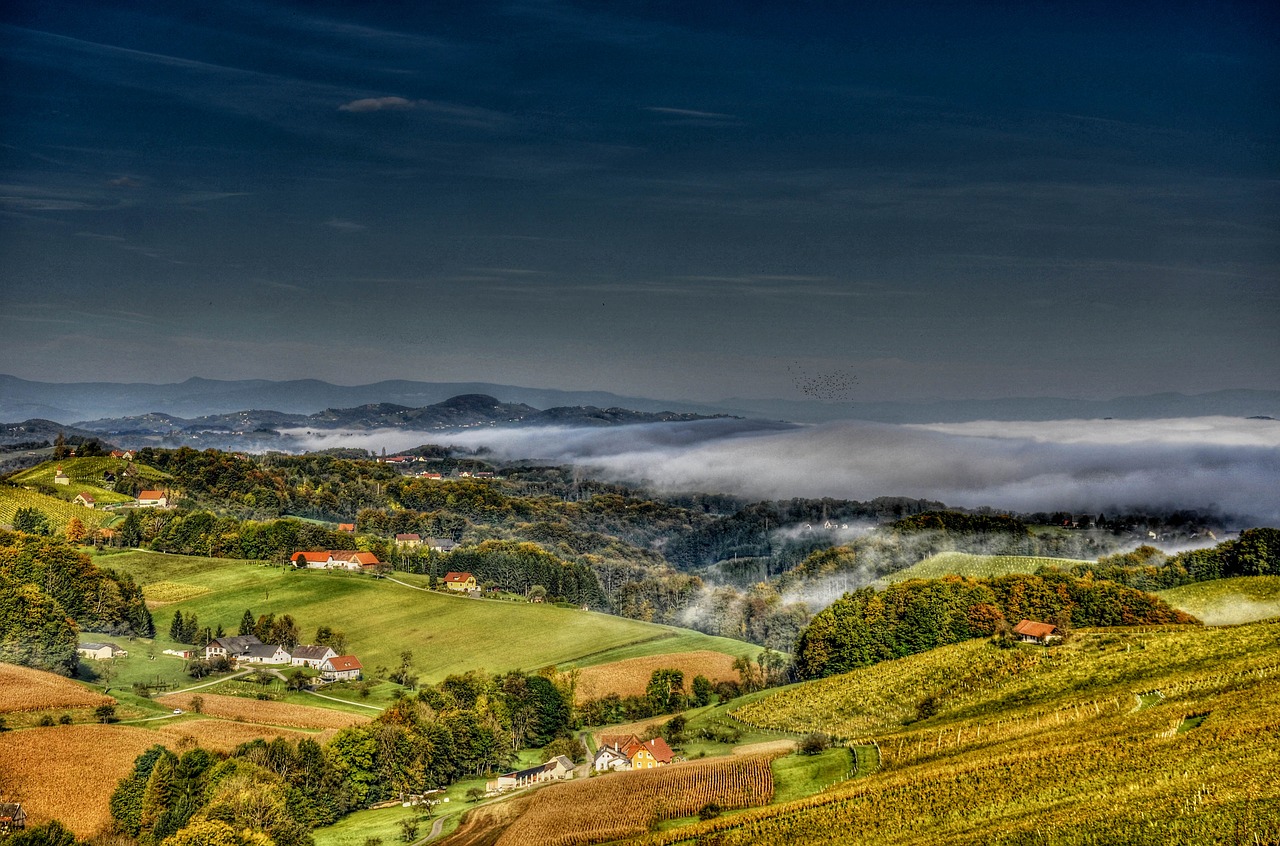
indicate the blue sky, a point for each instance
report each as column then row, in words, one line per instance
column 664, row 199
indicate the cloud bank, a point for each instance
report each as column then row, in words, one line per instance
column 1208, row 463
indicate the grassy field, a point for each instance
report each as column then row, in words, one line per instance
column 446, row 634
column 1227, row 602
column 629, row 677
column 1041, row 746
column 977, row 566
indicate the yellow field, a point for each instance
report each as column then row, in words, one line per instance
column 594, row 810
column 58, row 511
column 266, row 713
column 24, row 689
column 225, row 735
column 162, row 593
column 630, row 677
column 69, row 772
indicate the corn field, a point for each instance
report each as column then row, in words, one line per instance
column 264, row 712
column 24, row 689
column 621, row 805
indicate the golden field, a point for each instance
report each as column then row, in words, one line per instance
column 631, row 677
column 265, row 712
column 69, row 772
column 226, row 735
column 24, row 689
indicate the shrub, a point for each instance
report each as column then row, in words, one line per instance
column 815, row 743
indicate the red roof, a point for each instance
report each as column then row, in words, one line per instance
column 412, row 536
column 150, row 494
column 343, row 662
column 311, row 557
column 86, row 497
column 457, row 577
column 660, row 750
column 1031, row 628
column 346, row 527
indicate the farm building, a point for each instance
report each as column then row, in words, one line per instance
column 152, row 499
column 556, row 769
column 409, row 540
column 335, row 559
column 441, row 544
column 1030, row 631
column 640, row 755
column 12, row 817
column 311, row 656
column 341, row 668
column 86, row 500
column 127, row 454
column 460, row 581
column 265, row 653
column 607, row 758
column 100, row 651
column 232, row 647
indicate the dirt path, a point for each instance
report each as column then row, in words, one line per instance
column 209, row 683
column 765, row 746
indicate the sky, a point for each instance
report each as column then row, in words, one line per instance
column 675, row 200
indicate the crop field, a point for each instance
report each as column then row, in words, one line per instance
column 57, row 510
column 977, row 566
column 24, row 689
column 162, row 593
column 1093, row 745
column 1226, row 602
column 609, row 807
column 631, row 676
column 265, row 712
column 69, row 772
column 446, row 634
column 226, row 735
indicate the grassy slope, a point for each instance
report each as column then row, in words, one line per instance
column 85, row 475
column 1030, row 745
column 1228, row 601
column 447, row 634
column 978, row 566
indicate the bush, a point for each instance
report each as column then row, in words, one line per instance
column 46, row 720
column 710, row 811
column 64, row 720
column 815, row 743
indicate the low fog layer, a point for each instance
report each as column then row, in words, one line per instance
column 1207, row 463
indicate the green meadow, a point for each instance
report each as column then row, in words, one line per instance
column 1227, row 602
column 381, row 618
column 977, row 566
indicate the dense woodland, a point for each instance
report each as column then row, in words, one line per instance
column 869, row 626
column 49, row 590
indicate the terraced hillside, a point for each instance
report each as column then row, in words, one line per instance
column 977, row 566
column 1134, row 736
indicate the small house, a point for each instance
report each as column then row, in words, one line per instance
column 346, row 527
column 1030, row 631
column 341, row 668
column 640, row 755
column 335, row 559
column 311, row 656
column 441, row 544
column 60, row 478
column 461, row 582
column 231, row 647
column 409, row 540
column 556, row 769
column 265, row 653
column 100, row 651
column 609, row 759
column 152, row 499
column 86, row 500
column 12, row 817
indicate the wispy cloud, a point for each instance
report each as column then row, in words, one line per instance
column 377, row 104
column 345, row 225
column 668, row 110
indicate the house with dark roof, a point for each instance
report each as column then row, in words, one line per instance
column 311, row 656
column 557, row 769
column 441, row 544
column 12, row 817
column 100, row 651
column 231, row 647
column 265, row 653
column 1030, row 631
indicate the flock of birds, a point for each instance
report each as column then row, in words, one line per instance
column 831, row 385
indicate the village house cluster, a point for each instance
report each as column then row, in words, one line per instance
column 619, row 752
column 248, row 649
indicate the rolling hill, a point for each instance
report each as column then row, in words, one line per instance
column 383, row 617
column 977, row 566
column 1224, row 602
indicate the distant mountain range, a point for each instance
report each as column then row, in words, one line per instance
column 263, row 430
column 197, row 399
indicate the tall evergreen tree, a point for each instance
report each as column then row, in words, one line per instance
column 246, row 623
